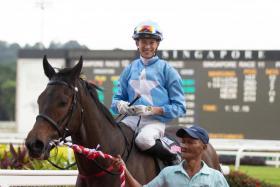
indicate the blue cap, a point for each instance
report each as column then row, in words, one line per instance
column 195, row 132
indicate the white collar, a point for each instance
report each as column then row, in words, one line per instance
column 146, row 60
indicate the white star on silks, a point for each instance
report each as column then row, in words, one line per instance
column 143, row 86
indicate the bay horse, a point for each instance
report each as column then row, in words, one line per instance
column 69, row 106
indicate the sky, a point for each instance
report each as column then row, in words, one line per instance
column 109, row 24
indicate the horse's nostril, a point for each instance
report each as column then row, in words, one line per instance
column 35, row 147
column 38, row 145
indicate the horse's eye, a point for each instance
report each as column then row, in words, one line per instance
column 62, row 103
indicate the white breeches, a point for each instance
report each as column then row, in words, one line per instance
column 148, row 134
column 149, row 130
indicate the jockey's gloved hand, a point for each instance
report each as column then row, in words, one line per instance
column 142, row 110
column 123, row 107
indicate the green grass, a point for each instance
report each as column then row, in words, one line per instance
column 265, row 173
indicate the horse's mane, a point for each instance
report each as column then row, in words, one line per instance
column 90, row 88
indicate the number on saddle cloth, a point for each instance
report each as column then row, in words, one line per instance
column 171, row 144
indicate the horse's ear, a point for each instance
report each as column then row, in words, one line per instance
column 76, row 71
column 48, row 69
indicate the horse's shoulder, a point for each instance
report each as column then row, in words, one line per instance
column 126, row 129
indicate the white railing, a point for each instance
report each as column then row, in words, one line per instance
column 244, row 147
column 7, row 126
column 14, row 138
column 10, row 178
column 37, row 177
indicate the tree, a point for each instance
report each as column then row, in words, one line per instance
column 55, row 45
column 38, row 45
column 8, row 58
column 73, row 44
column 7, row 93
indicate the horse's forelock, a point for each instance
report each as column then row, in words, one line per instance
column 65, row 75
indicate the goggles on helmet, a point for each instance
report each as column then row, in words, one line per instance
column 147, row 30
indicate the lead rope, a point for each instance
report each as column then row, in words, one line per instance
column 93, row 154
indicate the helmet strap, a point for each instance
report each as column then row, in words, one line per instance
column 157, row 49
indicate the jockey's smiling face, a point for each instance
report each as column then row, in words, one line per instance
column 147, row 47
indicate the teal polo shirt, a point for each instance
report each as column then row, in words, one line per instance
column 176, row 176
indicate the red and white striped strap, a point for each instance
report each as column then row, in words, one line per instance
column 93, row 154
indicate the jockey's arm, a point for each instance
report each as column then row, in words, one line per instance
column 157, row 110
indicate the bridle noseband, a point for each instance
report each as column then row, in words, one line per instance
column 56, row 125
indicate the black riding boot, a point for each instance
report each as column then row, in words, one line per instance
column 161, row 152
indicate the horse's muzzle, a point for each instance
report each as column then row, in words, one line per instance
column 37, row 149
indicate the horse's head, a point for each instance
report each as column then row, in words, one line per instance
column 59, row 110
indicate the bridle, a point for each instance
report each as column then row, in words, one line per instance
column 63, row 133
column 56, row 125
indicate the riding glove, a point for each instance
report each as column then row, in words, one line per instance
column 123, row 108
column 142, row 110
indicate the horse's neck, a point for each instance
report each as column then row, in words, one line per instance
column 97, row 130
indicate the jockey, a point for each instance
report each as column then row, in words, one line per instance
column 160, row 88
